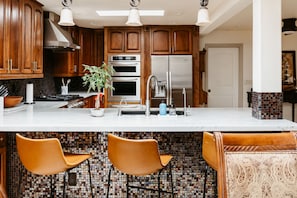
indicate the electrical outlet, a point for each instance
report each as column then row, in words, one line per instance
column 72, row 179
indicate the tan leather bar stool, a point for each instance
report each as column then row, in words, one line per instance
column 137, row 158
column 46, row 157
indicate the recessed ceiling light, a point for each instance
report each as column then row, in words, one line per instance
column 126, row 12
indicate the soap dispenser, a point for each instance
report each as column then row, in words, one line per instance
column 162, row 108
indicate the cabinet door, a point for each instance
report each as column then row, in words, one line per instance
column 27, row 38
column 133, row 40
column 65, row 64
column 32, row 38
column 86, row 49
column 160, row 41
column 116, row 41
column 38, row 40
column 3, row 63
column 98, row 47
column 182, row 41
column 10, row 45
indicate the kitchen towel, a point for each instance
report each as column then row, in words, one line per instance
column 29, row 93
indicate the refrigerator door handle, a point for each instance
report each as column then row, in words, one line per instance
column 169, row 88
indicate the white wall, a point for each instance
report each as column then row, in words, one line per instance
column 235, row 37
column 245, row 38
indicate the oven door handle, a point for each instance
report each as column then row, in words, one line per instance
column 123, row 64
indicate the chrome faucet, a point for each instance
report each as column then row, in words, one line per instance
column 147, row 102
column 185, row 101
column 120, row 107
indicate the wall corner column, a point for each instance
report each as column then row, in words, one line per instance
column 267, row 82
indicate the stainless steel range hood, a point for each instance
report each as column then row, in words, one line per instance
column 55, row 37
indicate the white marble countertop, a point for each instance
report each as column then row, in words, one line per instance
column 47, row 116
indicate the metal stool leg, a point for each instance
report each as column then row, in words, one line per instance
column 205, row 180
column 90, row 178
column 127, row 186
column 109, row 175
column 64, row 184
column 20, row 182
column 159, row 184
column 171, row 180
column 53, row 190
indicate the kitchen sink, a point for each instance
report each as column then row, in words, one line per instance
column 142, row 112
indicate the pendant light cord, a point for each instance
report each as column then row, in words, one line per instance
column 66, row 3
column 134, row 3
column 203, row 3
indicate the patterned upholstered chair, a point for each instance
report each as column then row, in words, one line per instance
column 256, row 164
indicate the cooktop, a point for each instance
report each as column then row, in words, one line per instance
column 57, row 97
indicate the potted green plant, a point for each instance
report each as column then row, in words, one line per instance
column 97, row 78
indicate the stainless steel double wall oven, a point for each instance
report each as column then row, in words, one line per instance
column 126, row 79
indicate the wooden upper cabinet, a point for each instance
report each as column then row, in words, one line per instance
column 171, row 40
column 86, row 49
column 116, row 41
column 69, row 64
column 121, row 40
column 32, row 38
column 160, row 41
column 65, row 63
column 98, row 47
column 133, row 40
column 10, row 36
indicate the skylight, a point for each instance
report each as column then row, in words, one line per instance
column 126, row 12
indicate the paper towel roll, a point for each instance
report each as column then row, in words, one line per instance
column 29, row 93
column 1, row 105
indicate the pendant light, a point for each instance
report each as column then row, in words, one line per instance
column 203, row 16
column 289, row 26
column 134, row 18
column 66, row 17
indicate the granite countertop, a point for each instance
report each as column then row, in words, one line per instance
column 47, row 116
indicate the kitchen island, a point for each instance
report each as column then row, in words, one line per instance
column 46, row 116
column 79, row 132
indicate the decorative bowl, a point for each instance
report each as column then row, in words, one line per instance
column 11, row 101
column 97, row 112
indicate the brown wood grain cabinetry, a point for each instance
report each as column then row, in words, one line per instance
column 123, row 40
column 3, row 193
column 10, row 45
column 86, row 51
column 89, row 102
column 171, row 40
column 21, row 32
column 69, row 64
column 32, row 37
column 65, row 63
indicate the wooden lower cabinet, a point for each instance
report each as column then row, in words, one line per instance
column 3, row 193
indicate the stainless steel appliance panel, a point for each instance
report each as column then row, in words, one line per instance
column 125, row 65
column 176, row 71
column 127, row 88
column 180, row 67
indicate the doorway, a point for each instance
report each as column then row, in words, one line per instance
column 224, row 75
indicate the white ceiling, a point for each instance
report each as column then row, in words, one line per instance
column 224, row 14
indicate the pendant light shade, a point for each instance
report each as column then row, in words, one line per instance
column 134, row 18
column 66, row 17
column 203, row 16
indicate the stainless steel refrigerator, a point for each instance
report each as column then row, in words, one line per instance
column 174, row 72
